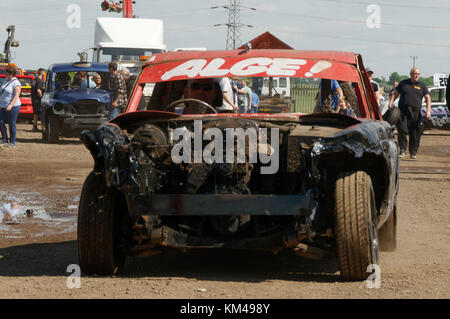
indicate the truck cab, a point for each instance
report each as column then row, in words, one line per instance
column 130, row 42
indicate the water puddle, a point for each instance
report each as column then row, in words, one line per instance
column 31, row 214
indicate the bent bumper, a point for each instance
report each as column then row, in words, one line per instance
column 84, row 122
column 220, row 205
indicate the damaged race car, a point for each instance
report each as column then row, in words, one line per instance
column 180, row 170
column 73, row 101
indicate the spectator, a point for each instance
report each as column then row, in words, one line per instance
column 118, row 91
column 236, row 84
column 128, row 83
column 9, row 106
column 246, row 104
column 382, row 98
column 87, row 82
column 37, row 90
column 411, row 92
column 375, row 85
column 344, row 107
column 227, row 94
column 255, row 103
column 98, row 81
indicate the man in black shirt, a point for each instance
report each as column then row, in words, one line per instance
column 37, row 90
column 411, row 92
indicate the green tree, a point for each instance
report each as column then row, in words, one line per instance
column 395, row 77
column 428, row 81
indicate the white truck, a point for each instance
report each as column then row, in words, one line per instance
column 130, row 42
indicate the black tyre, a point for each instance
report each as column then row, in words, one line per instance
column 102, row 227
column 387, row 234
column 355, row 225
column 392, row 115
column 53, row 128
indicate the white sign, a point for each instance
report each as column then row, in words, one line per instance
column 247, row 67
column 440, row 79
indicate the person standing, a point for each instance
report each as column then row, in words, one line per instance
column 246, row 92
column 37, row 91
column 128, row 83
column 227, row 95
column 411, row 92
column 255, row 103
column 375, row 85
column 9, row 106
column 118, row 91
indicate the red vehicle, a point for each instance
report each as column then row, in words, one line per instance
column 26, row 110
column 178, row 171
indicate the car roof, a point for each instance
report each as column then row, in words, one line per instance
column 336, row 56
column 334, row 65
column 69, row 67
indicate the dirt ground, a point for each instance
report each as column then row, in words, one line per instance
column 47, row 179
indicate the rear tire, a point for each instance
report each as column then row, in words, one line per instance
column 387, row 234
column 102, row 222
column 355, row 225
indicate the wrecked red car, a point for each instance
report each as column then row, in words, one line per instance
column 178, row 170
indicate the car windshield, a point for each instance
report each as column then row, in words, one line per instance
column 124, row 54
column 79, row 79
column 251, row 95
column 252, row 85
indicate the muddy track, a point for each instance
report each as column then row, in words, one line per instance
column 35, row 252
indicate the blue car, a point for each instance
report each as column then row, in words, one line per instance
column 74, row 99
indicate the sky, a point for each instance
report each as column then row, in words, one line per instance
column 386, row 33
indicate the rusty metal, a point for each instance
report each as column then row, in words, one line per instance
column 312, row 252
column 167, row 237
column 220, row 205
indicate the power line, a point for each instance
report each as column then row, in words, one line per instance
column 388, row 4
column 352, row 21
column 376, row 41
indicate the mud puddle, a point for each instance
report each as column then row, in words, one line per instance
column 31, row 214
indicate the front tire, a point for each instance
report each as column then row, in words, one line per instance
column 53, row 128
column 102, row 222
column 355, row 225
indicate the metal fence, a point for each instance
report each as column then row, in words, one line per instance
column 305, row 97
